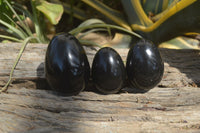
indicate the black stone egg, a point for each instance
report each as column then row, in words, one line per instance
column 108, row 71
column 67, row 68
column 144, row 65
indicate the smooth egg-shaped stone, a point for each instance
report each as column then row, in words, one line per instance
column 144, row 65
column 108, row 71
column 67, row 68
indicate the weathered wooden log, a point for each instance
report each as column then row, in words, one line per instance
column 182, row 67
column 159, row 110
column 29, row 105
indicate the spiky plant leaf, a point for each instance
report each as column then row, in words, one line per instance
column 178, row 43
column 112, row 14
column 52, row 11
column 135, row 13
column 154, row 6
column 182, row 18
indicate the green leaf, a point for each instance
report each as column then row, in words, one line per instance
column 22, row 10
column 16, row 25
column 4, row 9
column 27, row 29
column 91, row 22
column 14, row 29
column 26, row 41
column 135, row 13
column 80, row 29
column 52, row 11
column 39, row 32
column 94, row 21
column 89, row 43
column 112, row 14
column 178, row 43
column 154, row 6
column 182, row 18
column 171, row 3
column 10, row 38
column 91, row 31
column 120, row 41
column 78, row 13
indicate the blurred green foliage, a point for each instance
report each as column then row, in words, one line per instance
column 21, row 22
column 157, row 20
column 5, row 10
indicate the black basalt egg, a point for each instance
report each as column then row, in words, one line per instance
column 108, row 71
column 66, row 65
column 144, row 65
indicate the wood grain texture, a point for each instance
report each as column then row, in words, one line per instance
column 29, row 105
column 159, row 110
column 182, row 67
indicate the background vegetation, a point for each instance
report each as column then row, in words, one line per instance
column 39, row 20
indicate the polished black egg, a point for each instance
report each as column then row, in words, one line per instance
column 66, row 65
column 144, row 65
column 108, row 71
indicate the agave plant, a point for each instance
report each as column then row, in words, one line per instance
column 158, row 20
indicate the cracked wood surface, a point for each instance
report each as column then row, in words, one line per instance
column 29, row 105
